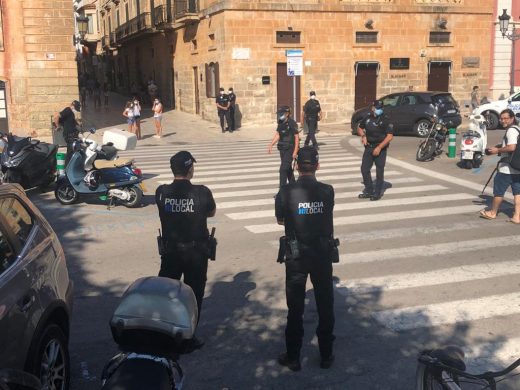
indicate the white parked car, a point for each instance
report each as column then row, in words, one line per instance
column 492, row 110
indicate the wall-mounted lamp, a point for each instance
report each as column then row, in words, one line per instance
column 369, row 23
column 442, row 23
column 82, row 23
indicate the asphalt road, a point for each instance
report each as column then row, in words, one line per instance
column 418, row 269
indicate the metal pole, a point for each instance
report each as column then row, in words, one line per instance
column 294, row 97
column 513, row 40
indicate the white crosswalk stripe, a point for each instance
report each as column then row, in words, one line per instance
column 244, row 178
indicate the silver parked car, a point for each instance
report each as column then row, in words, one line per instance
column 35, row 292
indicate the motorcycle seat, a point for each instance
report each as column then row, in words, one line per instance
column 103, row 164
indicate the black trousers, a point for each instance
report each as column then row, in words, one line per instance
column 296, row 272
column 223, row 114
column 286, row 169
column 193, row 265
column 366, row 166
column 232, row 118
column 312, row 125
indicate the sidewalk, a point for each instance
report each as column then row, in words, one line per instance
column 179, row 127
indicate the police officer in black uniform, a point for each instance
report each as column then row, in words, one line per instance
column 184, row 209
column 312, row 114
column 232, row 101
column 288, row 142
column 376, row 133
column 305, row 209
column 223, row 105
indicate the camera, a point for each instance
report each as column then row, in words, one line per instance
column 487, row 151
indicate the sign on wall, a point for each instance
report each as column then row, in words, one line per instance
column 241, row 53
column 294, row 62
column 399, row 63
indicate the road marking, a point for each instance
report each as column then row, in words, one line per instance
column 378, row 218
column 274, row 182
column 264, row 191
column 428, row 250
column 444, row 313
column 363, row 205
column 432, row 278
column 491, row 356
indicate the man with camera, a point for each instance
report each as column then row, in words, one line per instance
column 308, row 248
column 506, row 175
column 185, row 244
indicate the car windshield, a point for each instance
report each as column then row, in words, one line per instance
column 444, row 99
column 391, row 100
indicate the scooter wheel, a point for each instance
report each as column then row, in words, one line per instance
column 136, row 194
column 65, row 193
column 467, row 164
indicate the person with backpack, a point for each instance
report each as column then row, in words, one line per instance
column 312, row 114
column 506, row 175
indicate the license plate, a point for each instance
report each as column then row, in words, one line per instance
column 143, row 187
column 467, row 155
column 452, row 111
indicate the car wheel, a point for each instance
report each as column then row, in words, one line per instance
column 491, row 119
column 50, row 362
column 422, row 128
column 65, row 193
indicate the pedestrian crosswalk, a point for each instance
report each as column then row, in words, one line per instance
column 423, row 240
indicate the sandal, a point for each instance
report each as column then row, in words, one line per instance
column 485, row 214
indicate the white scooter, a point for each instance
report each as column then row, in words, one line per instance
column 473, row 143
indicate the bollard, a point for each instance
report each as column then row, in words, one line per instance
column 452, row 143
column 60, row 163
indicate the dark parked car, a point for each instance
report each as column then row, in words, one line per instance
column 410, row 112
column 35, row 293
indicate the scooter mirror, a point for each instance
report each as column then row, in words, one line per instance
column 517, row 115
column 92, row 130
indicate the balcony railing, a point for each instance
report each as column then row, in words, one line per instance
column 184, row 8
column 139, row 24
column 163, row 15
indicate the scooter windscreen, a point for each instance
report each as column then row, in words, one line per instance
column 16, row 144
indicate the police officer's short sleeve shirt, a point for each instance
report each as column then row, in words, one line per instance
column 222, row 100
column 287, row 130
column 184, row 209
column 376, row 128
column 306, row 208
column 311, row 109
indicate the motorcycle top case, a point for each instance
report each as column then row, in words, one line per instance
column 156, row 315
column 122, row 140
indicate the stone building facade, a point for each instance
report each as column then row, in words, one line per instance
column 38, row 68
column 348, row 51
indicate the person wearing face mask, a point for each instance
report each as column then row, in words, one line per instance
column 232, row 100
column 376, row 133
column 223, row 105
column 67, row 120
column 157, row 109
column 312, row 114
column 137, row 117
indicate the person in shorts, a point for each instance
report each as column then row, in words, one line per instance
column 129, row 114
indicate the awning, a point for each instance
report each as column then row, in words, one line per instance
column 369, row 64
column 440, row 62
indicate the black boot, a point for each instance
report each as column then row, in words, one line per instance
column 292, row 364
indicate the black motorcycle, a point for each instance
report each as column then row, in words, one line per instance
column 28, row 162
column 432, row 146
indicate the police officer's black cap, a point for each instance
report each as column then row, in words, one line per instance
column 76, row 105
column 377, row 104
column 312, row 93
column 221, row 89
column 182, row 161
column 284, row 109
column 308, row 155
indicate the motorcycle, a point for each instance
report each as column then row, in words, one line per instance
column 153, row 325
column 28, row 162
column 432, row 145
column 473, row 143
column 107, row 179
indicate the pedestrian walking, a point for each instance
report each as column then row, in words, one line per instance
column 376, row 132
column 506, row 176
column 128, row 113
column 305, row 209
column 232, row 101
column 223, row 104
column 184, row 209
column 475, row 97
column 67, row 120
column 96, row 93
column 137, row 117
column 287, row 141
column 312, row 114
column 106, row 93
column 157, row 109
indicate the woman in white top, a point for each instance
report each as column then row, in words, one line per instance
column 129, row 114
column 157, row 117
column 137, row 117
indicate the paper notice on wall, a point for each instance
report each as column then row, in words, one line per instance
column 241, row 53
column 294, row 66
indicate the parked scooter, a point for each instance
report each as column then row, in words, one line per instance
column 473, row 143
column 153, row 325
column 28, row 162
column 110, row 179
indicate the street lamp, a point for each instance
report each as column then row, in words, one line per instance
column 82, row 23
column 513, row 37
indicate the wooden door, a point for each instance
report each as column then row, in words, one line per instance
column 366, row 84
column 196, row 89
column 439, row 76
column 284, row 90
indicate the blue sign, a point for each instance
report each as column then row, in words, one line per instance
column 293, row 53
